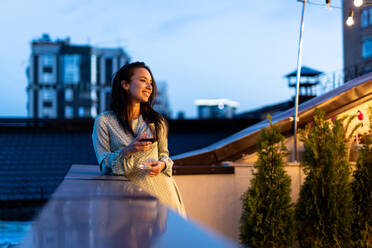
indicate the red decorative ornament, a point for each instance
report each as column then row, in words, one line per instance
column 360, row 115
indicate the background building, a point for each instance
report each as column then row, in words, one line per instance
column 357, row 40
column 216, row 108
column 70, row 81
column 162, row 101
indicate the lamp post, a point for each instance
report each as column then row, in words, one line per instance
column 298, row 77
column 349, row 22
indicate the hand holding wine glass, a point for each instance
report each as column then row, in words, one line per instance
column 140, row 143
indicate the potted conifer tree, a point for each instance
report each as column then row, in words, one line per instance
column 267, row 217
column 362, row 196
column 323, row 211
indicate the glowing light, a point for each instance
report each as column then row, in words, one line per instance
column 358, row 3
column 350, row 19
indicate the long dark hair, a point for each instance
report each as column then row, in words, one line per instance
column 120, row 100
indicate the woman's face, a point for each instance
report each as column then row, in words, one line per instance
column 140, row 86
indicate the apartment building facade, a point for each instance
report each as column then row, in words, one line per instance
column 70, row 81
column 357, row 40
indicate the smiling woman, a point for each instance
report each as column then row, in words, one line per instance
column 131, row 138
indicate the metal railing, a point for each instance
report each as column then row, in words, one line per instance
column 332, row 80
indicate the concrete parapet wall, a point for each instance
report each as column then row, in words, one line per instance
column 214, row 200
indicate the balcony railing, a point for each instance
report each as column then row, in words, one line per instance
column 332, row 80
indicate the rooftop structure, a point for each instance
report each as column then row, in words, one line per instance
column 309, row 80
column 216, row 108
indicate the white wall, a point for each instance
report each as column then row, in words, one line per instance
column 214, row 200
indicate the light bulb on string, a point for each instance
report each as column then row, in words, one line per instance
column 358, row 3
column 350, row 19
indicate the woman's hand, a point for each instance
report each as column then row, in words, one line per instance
column 137, row 145
column 155, row 168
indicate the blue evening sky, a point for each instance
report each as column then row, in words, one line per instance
column 235, row 49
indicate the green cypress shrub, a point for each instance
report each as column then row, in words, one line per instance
column 267, row 217
column 323, row 211
column 362, row 197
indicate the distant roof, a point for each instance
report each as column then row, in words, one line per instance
column 32, row 164
column 216, row 102
column 35, row 154
column 305, row 71
column 262, row 112
column 68, row 48
column 45, row 40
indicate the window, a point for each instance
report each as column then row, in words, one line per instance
column 108, row 99
column 47, row 62
column 93, row 95
column 47, row 69
column 93, row 111
column 71, row 72
column 47, row 104
column 48, row 94
column 205, row 112
column 47, row 59
column 69, row 112
column 365, row 21
column 108, row 67
column 366, row 18
column 367, row 48
column 84, row 94
column 81, row 111
column 69, row 95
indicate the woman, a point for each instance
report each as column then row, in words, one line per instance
column 118, row 136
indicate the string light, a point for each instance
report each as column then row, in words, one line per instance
column 350, row 19
column 358, row 3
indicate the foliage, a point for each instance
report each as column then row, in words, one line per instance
column 369, row 114
column 267, row 218
column 323, row 211
column 362, row 197
column 349, row 119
